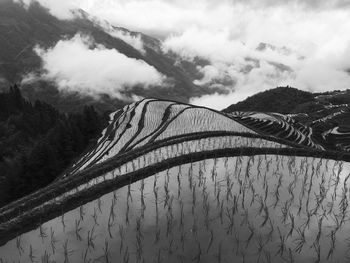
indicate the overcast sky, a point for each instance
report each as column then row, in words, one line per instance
column 311, row 38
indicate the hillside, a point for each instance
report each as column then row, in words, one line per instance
column 37, row 142
column 281, row 100
column 22, row 29
column 323, row 116
column 168, row 180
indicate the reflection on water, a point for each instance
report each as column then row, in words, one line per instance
column 242, row 209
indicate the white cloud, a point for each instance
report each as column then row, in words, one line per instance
column 168, row 16
column 158, row 16
column 312, row 39
column 80, row 65
column 316, row 59
column 133, row 39
column 62, row 9
column 213, row 45
column 247, row 84
column 315, row 4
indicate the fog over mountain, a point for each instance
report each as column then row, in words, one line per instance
column 86, row 60
column 307, row 41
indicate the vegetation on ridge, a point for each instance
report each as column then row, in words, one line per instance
column 281, row 100
column 37, row 142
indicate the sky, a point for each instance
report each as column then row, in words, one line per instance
column 309, row 38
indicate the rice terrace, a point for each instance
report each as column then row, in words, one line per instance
column 172, row 182
column 174, row 131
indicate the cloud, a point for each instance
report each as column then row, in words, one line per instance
column 133, row 39
column 162, row 17
column 315, row 4
column 61, row 9
column 307, row 41
column 306, row 49
column 213, row 45
column 80, row 65
column 246, row 84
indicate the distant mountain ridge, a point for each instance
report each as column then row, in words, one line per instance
column 282, row 100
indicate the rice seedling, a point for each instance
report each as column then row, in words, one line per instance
column 19, row 245
column 271, row 231
column 31, row 254
column 260, row 247
column 210, row 243
column 198, row 255
column 78, row 229
column 53, row 240
column 84, row 256
column 332, row 246
column 300, row 240
column 63, row 223
column 81, row 213
column 67, row 252
column 219, row 254
column 317, row 249
column 42, row 232
column 157, row 238
column 126, row 256
column 251, row 234
column 91, row 238
column 122, row 235
column 282, row 243
column 227, row 210
column 46, row 258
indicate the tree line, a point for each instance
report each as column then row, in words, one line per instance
column 37, row 142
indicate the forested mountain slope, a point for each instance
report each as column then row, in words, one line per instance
column 282, row 100
column 37, row 142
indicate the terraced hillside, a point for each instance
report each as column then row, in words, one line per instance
column 171, row 182
column 340, row 137
column 307, row 118
column 280, row 126
column 321, row 133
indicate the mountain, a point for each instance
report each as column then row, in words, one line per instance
column 322, row 117
column 282, row 100
column 172, row 181
column 21, row 29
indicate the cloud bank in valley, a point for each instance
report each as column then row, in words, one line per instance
column 80, row 65
column 308, row 44
column 307, row 41
column 132, row 38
